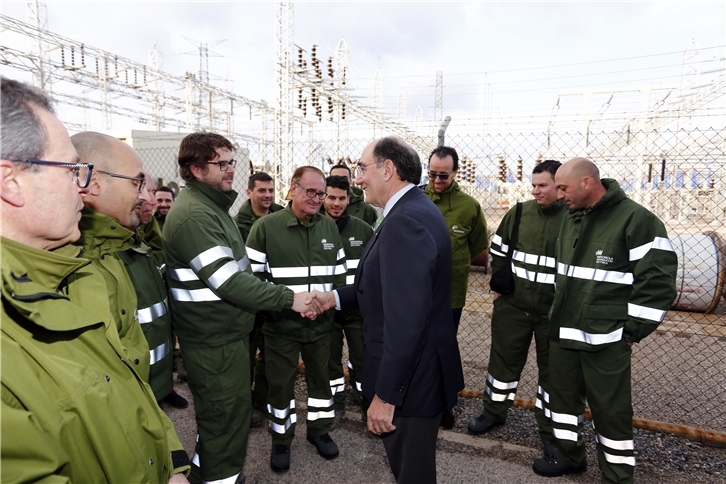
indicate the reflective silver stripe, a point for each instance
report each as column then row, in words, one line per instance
column 194, row 295
column 299, row 288
column 158, row 353
column 320, row 403
column 595, row 274
column 341, row 269
column 324, row 270
column 350, row 365
column 494, row 252
column 547, row 261
column 195, row 460
column 226, row 480
column 615, row 444
column 589, row 338
column 243, row 263
column 350, row 280
column 352, row 263
column 317, row 415
column 281, row 413
column 661, row 243
column 542, row 407
column 339, row 381
column 498, row 397
column 322, row 287
column 564, row 434
column 259, row 267
column 281, row 272
column 619, row 459
column 358, row 386
column 334, row 390
column 149, row 314
column 223, row 274
column 501, row 385
column 646, row 313
column 181, row 275
column 542, row 392
column 209, row 256
column 545, row 278
column 341, row 254
column 568, row 419
column 256, row 255
column 281, row 429
column 162, row 267
column 525, row 257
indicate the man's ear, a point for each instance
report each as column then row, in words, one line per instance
column 12, row 184
column 197, row 171
column 94, row 188
column 389, row 170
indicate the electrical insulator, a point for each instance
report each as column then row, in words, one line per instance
column 345, row 75
column 63, row 56
column 305, row 109
column 342, row 111
column 313, row 52
column 502, row 170
column 299, row 98
column 300, row 57
column 319, row 112
column 330, row 67
column 519, row 169
column 330, row 109
column 83, row 55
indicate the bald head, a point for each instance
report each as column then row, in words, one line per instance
column 94, row 147
column 578, row 183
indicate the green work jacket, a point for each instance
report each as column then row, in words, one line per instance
column 102, row 239
column 213, row 294
column 246, row 217
column 469, row 238
column 74, row 408
column 284, row 251
column 357, row 207
column 616, row 271
column 354, row 233
column 153, row 315
column 150, row 234
column 533, row 260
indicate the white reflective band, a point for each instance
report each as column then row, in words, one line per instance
column 661, row 243
column 320, row 403
column 497, row 397
column 595, row 274
column 542, row 407
column 281, row 429
column 589, row 338
column 158, row 353
column 194, row 295
column 209, row 256
column 281, row 272
column 547, row 261
column 196, row 439
column 181, row 275
column 615, row 444
column 226, row 480
column 564, row 434
column 542, row 392
column 256, row 255
column 281, row 413
column 341, row 254
column 322, row 287
column 350, row 279
column 350, row 365
column 501, row 385
column 299, row 288
column 162, row 267
column 195, row 460
column 339, row 381
column 317, row 415
column 619, row 459
column 352, row 263
column 335, row 389
column 525, row 257
column 495, row 252
column 223, row 274
column 504, row 247
column 149, row 314
column 646, row 313
column 543, row 278
column 358, row 386
column 568, row 419
column 243, row 263
column 259, row 267
column 523, row 273
column 341, row 269
column 324, row 270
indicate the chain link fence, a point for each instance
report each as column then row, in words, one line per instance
column 679, row 372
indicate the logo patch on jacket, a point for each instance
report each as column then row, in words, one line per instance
column 355, row 243
column 602, row 259
column 327, row 245
column 456, row 229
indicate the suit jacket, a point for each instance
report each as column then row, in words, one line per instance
column 402, row 289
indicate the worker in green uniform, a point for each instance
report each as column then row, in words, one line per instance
column 357, row 207
column 165, row 199
column 616, row 275
column 354, row 233
column 523, row 313
column 301, row 249
column 74, row 408
column 214, row 297
column 260, row 202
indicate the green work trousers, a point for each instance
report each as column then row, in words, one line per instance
column 603, row 378
column 512, row 331
column 282, row 356
column 219, row 381
column 257, row 363
column 350, row 324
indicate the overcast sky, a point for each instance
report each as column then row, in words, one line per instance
column 509, row 61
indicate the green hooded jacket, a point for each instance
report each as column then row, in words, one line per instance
column 357, row 207
column 246, row 217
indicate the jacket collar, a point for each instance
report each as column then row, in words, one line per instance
column 48, row 269
column 223, row 200
column 292, row 219
column 429, row 190
column 101, row 233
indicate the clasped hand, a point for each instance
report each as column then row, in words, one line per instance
column 311, row 304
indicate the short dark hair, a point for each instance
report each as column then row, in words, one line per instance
column 197, row 149
column 165, row 188
column 549, row 166
column 339, row 182
column 23, row 135
column 260, row 176
column 343, row 166
column 443, row 152
column 404, row 158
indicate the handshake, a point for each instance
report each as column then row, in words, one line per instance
column 311, row 304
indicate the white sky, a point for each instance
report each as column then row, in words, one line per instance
column 503, row 63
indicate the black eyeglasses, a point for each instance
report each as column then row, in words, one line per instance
column 223, row 165
column 442, row 176
column 82, row 171
column 139, row 181
column 312, row 193
column 362, row 166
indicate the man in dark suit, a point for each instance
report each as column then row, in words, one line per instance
column 412, row 368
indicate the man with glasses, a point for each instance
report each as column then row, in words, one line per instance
column 72, row 401
column 214, row 297
column 467, row 229
column 357, row 207
column 300, row 248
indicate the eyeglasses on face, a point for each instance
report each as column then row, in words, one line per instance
column 138, row 181
column 312, row 193
column 441, row 176
column 223, row 165
column 82, row 171
column 362, row 166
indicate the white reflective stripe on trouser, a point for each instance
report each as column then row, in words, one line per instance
column 147, row 315
column 541, row 391
column 209, row 256
column 195, row 460
column 652, row 314
column 542, row 407
column 317, row 415
column 619, row 459
column 590, row 338
column 320, row 403
column 159, row 352
column 194, row 295
column 281, row 413
column 498, row 397
column 281, row 429
column 337, row 385
column 568, row 419
column 564, row 434
column 501, row 385
column 358, row 386
column 615, row 444
column 226, row 480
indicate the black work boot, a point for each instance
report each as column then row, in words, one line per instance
column 549, row 466
column 280, row 458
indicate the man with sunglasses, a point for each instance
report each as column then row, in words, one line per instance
column 214, row 297
column 72, row 402
column 467, row 228
column 300, row 248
